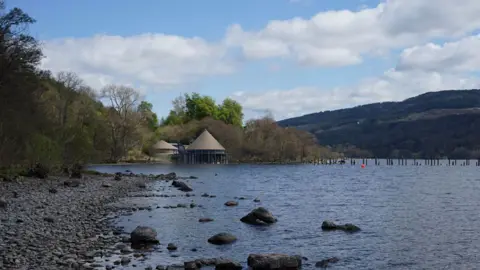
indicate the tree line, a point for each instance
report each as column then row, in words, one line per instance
column 258, row 140
column 58, row 119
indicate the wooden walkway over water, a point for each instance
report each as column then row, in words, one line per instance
column 398, row 162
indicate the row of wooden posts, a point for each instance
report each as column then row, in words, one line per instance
column 399, row 162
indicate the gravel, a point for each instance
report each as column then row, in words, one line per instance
column 54, row 224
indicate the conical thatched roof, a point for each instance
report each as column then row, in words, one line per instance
column 205, row 142
column 163, row 145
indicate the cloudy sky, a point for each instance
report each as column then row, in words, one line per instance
column 291, row 57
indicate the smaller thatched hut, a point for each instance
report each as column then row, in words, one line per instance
column 162, row 148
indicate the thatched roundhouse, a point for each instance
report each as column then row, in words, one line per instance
column 205, row 150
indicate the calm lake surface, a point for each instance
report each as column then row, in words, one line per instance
column 412, row 217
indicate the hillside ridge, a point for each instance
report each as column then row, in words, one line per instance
column 434, row 124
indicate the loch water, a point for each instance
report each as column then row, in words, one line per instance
column 412, row 217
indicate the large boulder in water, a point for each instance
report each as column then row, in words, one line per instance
column 274, row 261
column 328, row 225
column 144, row 235
column 182, row 186
column 259, row 216
column 222, row 239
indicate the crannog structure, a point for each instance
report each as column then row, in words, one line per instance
column 162, row 149
column 204, row 150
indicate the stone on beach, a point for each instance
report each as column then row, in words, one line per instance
column 222, row 239
column 72, row 183
column 3, row 203
column 259, row 216
column 274, row 261
column 144, row 235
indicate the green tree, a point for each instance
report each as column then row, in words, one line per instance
column 199, row 107
column 230, row 112
column 148, row 116
column 20, row 54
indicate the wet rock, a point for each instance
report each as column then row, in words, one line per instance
column 125, row 260
column 182, row 186
column 231, row 203
column 190, row 265
column 256, row 200
column 171, row 247
column 222, row 239
column 328, row 225
column 193, row 177
column 205, row 220
column 144, row 235
column 3, row 203
column 225, row 264
column 273, row 261
column 49, row 219
column 193, row 205
column 325, row 263
column 259, row 216
column 205, row 195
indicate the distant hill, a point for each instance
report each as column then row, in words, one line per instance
column 434, row 124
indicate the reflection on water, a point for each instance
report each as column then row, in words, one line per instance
column 412, row 217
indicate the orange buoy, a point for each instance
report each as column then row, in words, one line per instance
column 363, row 166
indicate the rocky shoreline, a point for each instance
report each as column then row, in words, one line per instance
column 66, row 223
column 59, row 223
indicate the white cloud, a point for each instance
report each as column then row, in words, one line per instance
column 339, row 38
column 462, row 55
column 420, row 69
column 154, row 59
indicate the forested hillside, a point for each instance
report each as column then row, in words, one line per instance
column 434, row 124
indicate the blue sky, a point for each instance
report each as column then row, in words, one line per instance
column 335, row 54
